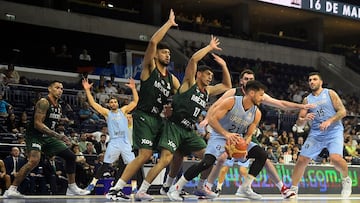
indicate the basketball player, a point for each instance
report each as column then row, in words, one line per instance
column 246, row 76
column 188, row 103
column 156, row 85
column 326, row 131
column 233, row 117
column 41, row 137
column 117, row 123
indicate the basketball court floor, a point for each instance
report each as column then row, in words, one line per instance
column 323, row 198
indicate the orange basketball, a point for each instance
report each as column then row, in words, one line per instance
column 237, row 151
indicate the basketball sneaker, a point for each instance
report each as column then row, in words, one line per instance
column 12, row 194
column 346, row 187
column 164, row 190
column 143, row 196
column 206, row 192
column 247, row 192
column 75, row 190
column 287, row 193
column 117, row 195
column 174, row 194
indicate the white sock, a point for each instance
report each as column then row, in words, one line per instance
column 120, row 184
column 248, row 181
column 169, row 181
column 279, row 185
column 201, row 183
column 144, row 186
column 181, row 183
column 72, row 185
column 219, row 186
column 209, row 185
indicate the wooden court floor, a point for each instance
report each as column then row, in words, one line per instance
column 190, row 198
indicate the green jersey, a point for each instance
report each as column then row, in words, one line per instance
column 52, row 118
column 188, row 105
column 154, row 92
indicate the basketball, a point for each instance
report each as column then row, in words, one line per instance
column 238, row 150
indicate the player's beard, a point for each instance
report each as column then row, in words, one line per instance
column 163, row 63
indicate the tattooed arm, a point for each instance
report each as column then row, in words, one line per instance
column 40, row 114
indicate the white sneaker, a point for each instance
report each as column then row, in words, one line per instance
column 174, row 194
column 346, row 187
column 13, row 194
column 288, row 193
column 71, row 191
column 143, row 196
column 247, row 192
column 206, row 192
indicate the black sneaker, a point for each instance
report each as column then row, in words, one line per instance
column 218, row 191
column 183, row 193
column 117, row 195
column 164, row 190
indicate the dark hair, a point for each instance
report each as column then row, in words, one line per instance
column 162, row 46
column 53, row 82
column 203, row 68
column 315, row 73
column 254, row 85
column 246, row 71
column 112, row 97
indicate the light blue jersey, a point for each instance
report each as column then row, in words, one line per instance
column 332, row 138
column 119, row 143
column 323, row 111
column 237, row 120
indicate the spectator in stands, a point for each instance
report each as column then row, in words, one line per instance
column 5, row 107
column 283, row 138
column 5, row 180
column 87, row 114
column 103, row 131
column 109, row 88
column 102, row 144
column 82, row 142
column 64, row 53
column 12, row 124
column 90, row 156
column 102, row 97
column 11, row 75
column 81, row 166
column 14, row 162
column 54, row 171
column 23, row 80
column 84, row 56
column 270, row 154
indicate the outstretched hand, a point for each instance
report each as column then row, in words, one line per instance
column 219, row 60
column 131, row 83
column 172, row 18
column 86, row 84
column 214, row 43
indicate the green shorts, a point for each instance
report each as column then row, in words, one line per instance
column 175, row 137
column 146, row 130
column 50, row 146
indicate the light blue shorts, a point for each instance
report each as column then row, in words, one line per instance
column 216, row 145
column 116, row 147
column 240, row 162
column 314, row 145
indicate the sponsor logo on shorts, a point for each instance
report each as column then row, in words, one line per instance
column 172, row 144
column 35, row 145
column 146, row 142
